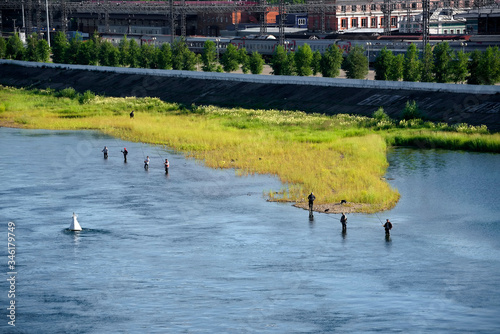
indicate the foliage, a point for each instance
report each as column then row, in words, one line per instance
column 87, row 97
column 133, row 54
column 256, row 63
column 412, row 70
column 278, row 61
column 230, row 59
column 316, row 63
column 397, row 67
column 356, row 63
column 383, row 63
column 71, row 56
column 443, row 56
column 165, row 57
column 243, row 59
column 303, row 60
column 475, row 74
column 489, row 66
column 411, row 111
column 87, row 53
column 59, row 47
column 460, row 70
column 331, row 62
column 209, row 56
column 3, row 48
column 148, row 56
column 380, row 114
column 43, row 50
column 15, row 48
column 124, row 49
column 427, row 64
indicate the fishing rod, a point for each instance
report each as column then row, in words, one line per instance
column 379, row 219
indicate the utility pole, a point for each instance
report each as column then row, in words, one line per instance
column 425, row 22
column 48, row 25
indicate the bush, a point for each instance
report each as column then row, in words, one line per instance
column 69, row 92
column 86, row 97
column 380, row 114
column 411, row 111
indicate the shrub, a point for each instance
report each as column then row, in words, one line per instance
column 86, row 97
column 411, row 111
column 67, row 92
column 380, row 114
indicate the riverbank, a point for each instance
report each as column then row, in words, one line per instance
column 339, row 157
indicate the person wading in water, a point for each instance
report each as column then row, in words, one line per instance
column 105, row 151
column 388, row 227
column 311, row 199
column 343, row 220
column 125, row 152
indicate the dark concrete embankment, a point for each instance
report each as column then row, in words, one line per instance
column 439, row 102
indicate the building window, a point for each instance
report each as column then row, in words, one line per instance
column 373, row 7
column 363, row 8
column 374, row 22
column 394, row 21
column 363, row 22
column 354, row 23
column 343, row 8
column 451, row 31
column 301, row 21
column 445, row 31
column 414, row 5
column 353, row 8
column 467, row 3
column 343, row 23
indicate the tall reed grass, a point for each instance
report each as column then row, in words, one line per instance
column 338, row 157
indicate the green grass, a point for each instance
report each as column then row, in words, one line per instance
column 337, row 157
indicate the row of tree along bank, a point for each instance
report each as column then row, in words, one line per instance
column 434, row 64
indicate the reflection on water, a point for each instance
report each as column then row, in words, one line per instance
column 201, row 251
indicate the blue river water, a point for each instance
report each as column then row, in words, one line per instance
column 202, row 251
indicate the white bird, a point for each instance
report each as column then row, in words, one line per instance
column 75, row 226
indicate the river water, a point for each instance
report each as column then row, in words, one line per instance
column 201, row 251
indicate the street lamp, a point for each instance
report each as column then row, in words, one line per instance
column 217, row 47
column 463, row 44
column 368, row 46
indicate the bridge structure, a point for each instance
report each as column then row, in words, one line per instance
column 176, row 11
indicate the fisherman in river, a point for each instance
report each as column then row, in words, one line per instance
column 105, row 151
column 167, row 165
column 388, row 227
column 125, row 152
column 146, row 163
column 343, row 220
column 311, row 199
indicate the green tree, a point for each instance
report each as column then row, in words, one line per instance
column 278, row 60
column 59, row 47
column 15, row 48
column 427, row 64
column 209, row 56
column 3, row 48
column 316, row 63
column 182, row 57
column 108, row 54
column 443, row 56
column 87, row 53
column 147, row 56
column 489, row 66
column 460, row 70
column 396, row 69
column 383, row 63
column 303, row 60
column 475, row 59
column 331, row 61
column 124, row 48
column 256, row 63
column 244, row 59
column 412, row 70
column 230, row 59
column 30, row 51
column 165, row 57
column 289, row 64
column 71, row 54
column 43, row 50
column 356, row 63
column 133, row 54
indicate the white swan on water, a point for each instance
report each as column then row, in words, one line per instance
column 75, row 226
